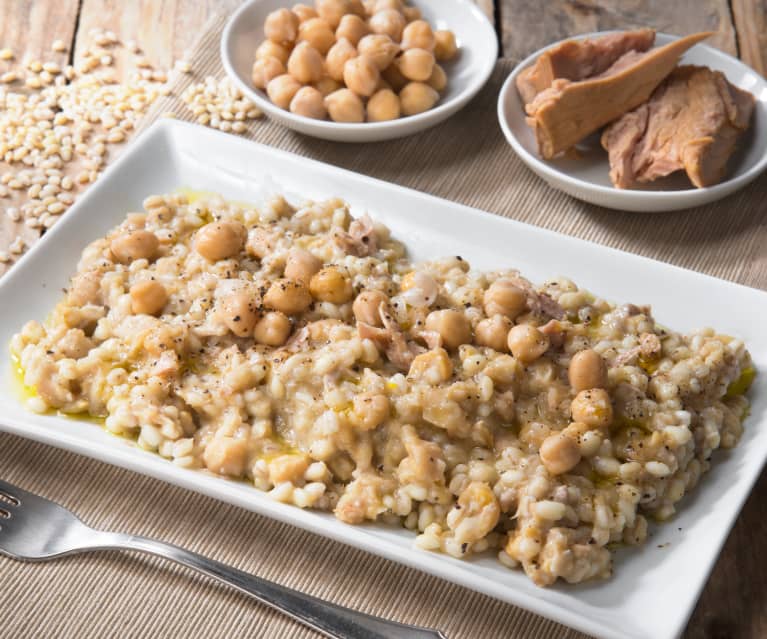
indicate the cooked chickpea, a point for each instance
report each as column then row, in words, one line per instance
column 417, row 97
column 418, row 35
column 281, row 26
column 301, row 265
column 148, row 298
column 416, row 64
column 318, row 33
column 369, row 410
column 383, row 105
column 353, row 28
column 445, row 47
column 388, row 22
column 494, row 332
column 331, row 11
column 412, row 13
column 453, row 327
column 366, row 307
column 265, row 70
column 396, row 80
column 288, row 296
column 273, row 329
column 327, row 85
column 559, row 453
column 340, row 53
column 269, row 49
column 383, row 5
column 305, row 63
column 592, row 407
column 380, row 48
column 438, row 79
column 226, row 456
column 282, row 89
column 527, row 343
column 345, row 106
column 332, row 284
column 433, row 367
column 304, row 12
column 135, row 245
column 239, row 312
column 504, row 298
column 587, row 370
column 220, row 240
column 361, row 75
column 310, row 103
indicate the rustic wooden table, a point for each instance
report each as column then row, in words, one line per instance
column 734, row 602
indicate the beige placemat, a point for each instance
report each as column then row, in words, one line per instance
column 110, row 595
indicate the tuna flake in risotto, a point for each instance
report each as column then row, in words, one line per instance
column 299, row 349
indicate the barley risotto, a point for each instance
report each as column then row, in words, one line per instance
column 297, row 348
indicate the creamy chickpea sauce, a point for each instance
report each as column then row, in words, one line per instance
column 299, row 349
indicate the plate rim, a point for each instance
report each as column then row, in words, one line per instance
column 543, row 168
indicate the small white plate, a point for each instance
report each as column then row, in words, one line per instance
column 467, row 74
column 654, row 587
column 587, row 177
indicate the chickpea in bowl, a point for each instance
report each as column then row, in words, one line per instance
column 353, row 62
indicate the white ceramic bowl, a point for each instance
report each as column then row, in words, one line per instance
column 587, row 177
column 467, row 74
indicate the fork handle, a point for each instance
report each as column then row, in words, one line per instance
column 329, row 619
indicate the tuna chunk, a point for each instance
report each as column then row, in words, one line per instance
column 577, row 60
column 692, row 122
column 570, row 110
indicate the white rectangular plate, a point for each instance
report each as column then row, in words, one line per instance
column 653, row 590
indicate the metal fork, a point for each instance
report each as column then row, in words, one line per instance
column 35, row 529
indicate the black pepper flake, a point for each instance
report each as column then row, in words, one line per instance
column 464, row 547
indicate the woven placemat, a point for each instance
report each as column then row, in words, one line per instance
column 114, row 595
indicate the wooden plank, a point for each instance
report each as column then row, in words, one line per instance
column 29, row 29
column 528, row 25
column 751, row 28
column 163, row 30
column 732, row 604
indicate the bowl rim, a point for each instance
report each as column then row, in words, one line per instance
column 544, row 168
column 404, row 123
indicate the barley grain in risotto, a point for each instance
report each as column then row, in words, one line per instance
column 299, row 349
